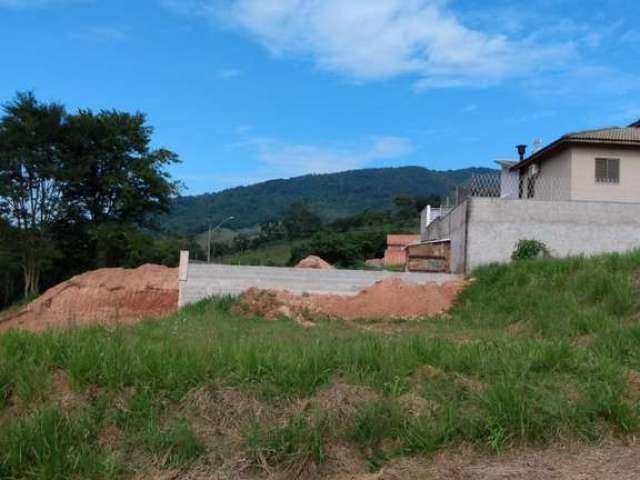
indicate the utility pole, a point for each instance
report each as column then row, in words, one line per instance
column 211, row 231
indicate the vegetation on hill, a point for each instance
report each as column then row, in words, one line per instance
column 272, row 254
column 350, row 242
column 330, row 196
column 537, row 352
column 346, row 242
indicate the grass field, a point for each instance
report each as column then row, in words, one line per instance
column 275, row 254
column 536, row 353
column 223, row 235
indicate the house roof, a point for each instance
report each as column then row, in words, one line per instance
column 506, row 163
column 615, row 136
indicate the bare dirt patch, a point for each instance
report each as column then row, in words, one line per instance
column 633, row 384
column 416, row 405
column 220, row 412
column 388, row 299
column 339, row 398
column 604, row 462
column 106, row 296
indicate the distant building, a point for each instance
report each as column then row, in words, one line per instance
column 579, row 195
column 396, row 254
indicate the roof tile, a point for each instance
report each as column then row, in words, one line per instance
column 626, row 135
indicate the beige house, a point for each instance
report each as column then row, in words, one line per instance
column 579, row 195
column 591, row 165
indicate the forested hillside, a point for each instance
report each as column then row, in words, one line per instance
column 330, row 196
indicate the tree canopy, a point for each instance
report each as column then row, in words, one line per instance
column 75, row 181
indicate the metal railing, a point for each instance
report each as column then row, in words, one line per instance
column 533, row 187
column 500, row 185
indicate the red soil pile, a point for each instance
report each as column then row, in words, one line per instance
column 109, row 295
column 390, row 299
column 315, row 263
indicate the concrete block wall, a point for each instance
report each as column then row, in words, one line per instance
column 566, row 227
column 206, row 280
column 437, row 230
column 458, row 236
column 454, row 227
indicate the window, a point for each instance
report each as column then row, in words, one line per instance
column 608, row 170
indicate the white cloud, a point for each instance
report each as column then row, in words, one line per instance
column 286, row 159
column 365, row 39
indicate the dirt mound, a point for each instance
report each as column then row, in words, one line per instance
column 272, row 304
column 314, row 262
column 391, row 299
column 109, row 295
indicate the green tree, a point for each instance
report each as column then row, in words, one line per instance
column 271, row 230
column 116, row 182
column 408, row 206
column 299, row 222
column 113, row 174
column 10, row 267
column 31, row 187
column 81, row 180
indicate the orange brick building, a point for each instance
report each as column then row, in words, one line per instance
column 396, row 254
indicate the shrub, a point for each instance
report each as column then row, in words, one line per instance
column 529, row 249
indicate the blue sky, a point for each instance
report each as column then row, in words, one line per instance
column 247, row 90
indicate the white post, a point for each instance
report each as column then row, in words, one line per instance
column 183, row 275
column 209, row 246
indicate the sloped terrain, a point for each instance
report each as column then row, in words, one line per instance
column 534, row 373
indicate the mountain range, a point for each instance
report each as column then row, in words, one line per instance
column 330, row 195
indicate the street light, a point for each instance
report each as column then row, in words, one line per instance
column 214, row 229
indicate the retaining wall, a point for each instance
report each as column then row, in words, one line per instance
column 494, row 226
column 200, row 281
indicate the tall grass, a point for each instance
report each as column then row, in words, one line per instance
column 48, row 444
column 534, row 352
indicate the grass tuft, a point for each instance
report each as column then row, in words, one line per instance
column 294, row 444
